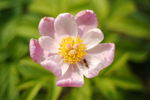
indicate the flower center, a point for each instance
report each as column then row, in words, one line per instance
column 72, row 49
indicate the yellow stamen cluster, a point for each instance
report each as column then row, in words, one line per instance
column 72, row 49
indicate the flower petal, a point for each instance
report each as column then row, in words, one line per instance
column 72, row 78
column 65, row 25
column 46, row 26
column 64, row 67
column 86, row 20
column 36, row 52
column 97, row 58
column 48, row 44
column 92, row 38
column 86, row 17
column 52, row 64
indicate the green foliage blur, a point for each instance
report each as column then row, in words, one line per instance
column 124, row 22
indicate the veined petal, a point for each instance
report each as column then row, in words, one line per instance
column 36, row 52
column 52, row 64
column 48, row 44
column 97, row 58
column 92, row 38
column 46, row 27
column 72, row 78
column 65, row 25
column 86, row 20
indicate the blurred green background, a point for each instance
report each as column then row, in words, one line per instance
column 124, row 22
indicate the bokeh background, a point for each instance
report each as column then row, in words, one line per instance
column 124, row 22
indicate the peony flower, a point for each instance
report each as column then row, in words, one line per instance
column 69, row 48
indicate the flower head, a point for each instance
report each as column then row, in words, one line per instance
column 69, row 47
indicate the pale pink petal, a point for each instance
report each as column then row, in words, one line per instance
column 46, row 27
column 86, row 20
column 92, row 38
column 64, row 67
column 86, row 17
column 36, row 52
column 48, row 44
column 97, row 58
column 65, row 25
column 72, row 78
column 52, row 64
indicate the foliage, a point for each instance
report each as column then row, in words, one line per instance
column 22, row 79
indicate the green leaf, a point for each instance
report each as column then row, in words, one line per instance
column 28, row 31
column 47, row 7
column 8, row 32
column 120, row 9
column 107, row 88
column 29, row 69
column 26, row 84
column 13, row 81
column 129, row 26
column 139, row 56
column 3, row 56
column 4, row 5
column 102, row 8
column 19, row 49
column 53, row 90
column 28, row 27
column 8, row 83
column 126, row 83
column 34, row 91
column 4, row 76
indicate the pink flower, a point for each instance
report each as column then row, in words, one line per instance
column 69, row 47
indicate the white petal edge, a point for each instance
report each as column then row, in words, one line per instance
column 97, row 58
column 65, row 25
column 52, row 64
column 49, row 44
column 72, row 78
column 92, row 38
column 86, row 20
